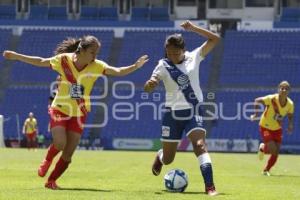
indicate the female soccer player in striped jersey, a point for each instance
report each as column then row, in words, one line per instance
column 76, row 62
column 179, row 72
column 277, row 106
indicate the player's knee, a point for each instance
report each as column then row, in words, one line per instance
column 199, row 145
column 59, row 145
column 273, row 151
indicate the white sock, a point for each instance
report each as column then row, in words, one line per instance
column 160, row 155
column 204, row 158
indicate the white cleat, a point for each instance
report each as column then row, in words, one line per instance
column 266, row 173
column 260, row 152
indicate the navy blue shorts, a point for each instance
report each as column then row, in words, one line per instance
column 177, row 122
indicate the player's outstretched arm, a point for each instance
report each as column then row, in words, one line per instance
column 213, row 38
column 122, row 71
column 257, row 102
column 290, row 123
column 33, row 60
column 151, row 84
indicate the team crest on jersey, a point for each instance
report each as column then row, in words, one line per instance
column 183, row 81
column 165, row 131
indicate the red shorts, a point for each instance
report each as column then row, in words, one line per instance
column 269, row 135
column 74, row 124
column 31, row 136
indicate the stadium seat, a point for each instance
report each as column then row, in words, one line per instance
column 89, row 13
column 140, row 14
column 38, row 12
column 57, row 13
column 290, row 14
column 108, row 13
column 7, row 11
column 159, row 14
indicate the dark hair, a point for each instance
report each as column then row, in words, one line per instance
column 176, row 40
column 286, row 83
column 71, row 45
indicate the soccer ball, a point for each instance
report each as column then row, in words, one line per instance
column 176, row 180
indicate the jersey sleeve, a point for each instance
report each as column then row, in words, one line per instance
column 291, row 110
column 55, row 63
column 267, row 99
column 159, row 70
column 101, row 66
column 196, row 54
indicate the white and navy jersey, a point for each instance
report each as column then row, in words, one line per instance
column 182, row 82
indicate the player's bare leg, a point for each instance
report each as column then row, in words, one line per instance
column 273, row 148
column 59, row 142
column 164, row 156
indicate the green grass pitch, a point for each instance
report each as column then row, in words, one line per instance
column 122, row 175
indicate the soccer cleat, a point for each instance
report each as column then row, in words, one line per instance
column 43, row 169
column 51, row 185
column 211, row 191
column 157, row 165
column 260, row 151
column 266, row 173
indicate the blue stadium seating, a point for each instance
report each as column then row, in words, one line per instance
column 5, row 35
column 89, row 13
column 38, row 12
column 284, row 24
column 159, row 14
column 57, row 13
column 290, row 14
column 250, row 58
column 18, row 102
column 108, row 13
column 42, row 43
column 140, row 14
column 7, row 11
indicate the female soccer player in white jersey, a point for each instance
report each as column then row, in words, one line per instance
column 179, row 72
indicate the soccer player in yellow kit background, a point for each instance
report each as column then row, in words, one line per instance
column 277, row 106
column 30, row 130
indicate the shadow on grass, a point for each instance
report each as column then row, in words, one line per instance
column 284, row 175
column 187, row 193
column 86, row 189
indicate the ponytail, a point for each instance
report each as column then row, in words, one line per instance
column 69, row 45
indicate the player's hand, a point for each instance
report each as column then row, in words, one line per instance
column 141, row 61
column 187, row 25
column 10, row 55
column 151, row 84
column 253, row 117
column 290, row 129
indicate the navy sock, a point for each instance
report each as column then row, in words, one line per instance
column 207, row 173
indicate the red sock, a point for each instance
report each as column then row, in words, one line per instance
column 59, row 169
column 272, row 160
column 52, row 152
